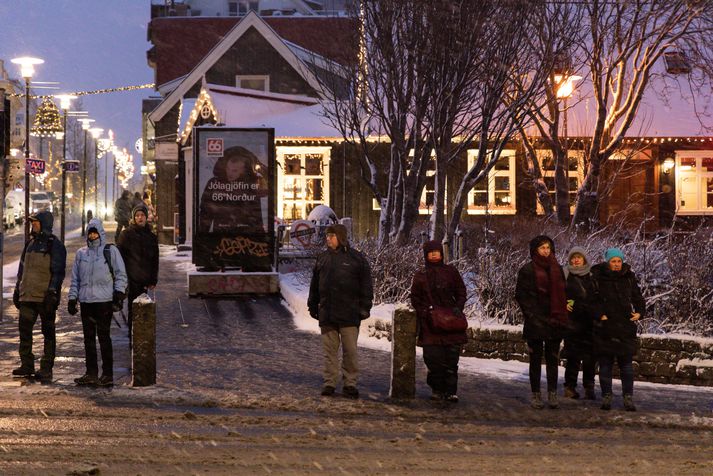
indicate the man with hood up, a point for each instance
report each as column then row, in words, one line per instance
column 97, row 285
column 39, row 282
column 340, row 297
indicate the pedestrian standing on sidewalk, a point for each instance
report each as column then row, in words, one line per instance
column 584, row 308
column 98, row 283
column 540, row 292
column 340, row 297
column 37, row 292
column 139, row 249
column 122, row 212
column 439, row 284
column 615, row 331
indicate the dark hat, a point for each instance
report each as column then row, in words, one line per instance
column 140, row 208
column 537, row 241
column 432, row 245
column 341, row 232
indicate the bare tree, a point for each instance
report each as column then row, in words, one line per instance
column 625, row 40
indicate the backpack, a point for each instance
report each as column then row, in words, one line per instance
column 107, row 258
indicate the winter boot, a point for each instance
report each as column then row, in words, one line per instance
column 327, row 391
column 106, row 381
column 606, row 401
column 570, row 392
column 589, row 393
column 452, row 398
column 438, row 396
column 23, row 371
column 86, row 379
column 552, row 400
column 350, row 391
column 44, row 375
column 629, row 403
column 536, row 401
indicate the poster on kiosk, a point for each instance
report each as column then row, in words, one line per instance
column 234, row 199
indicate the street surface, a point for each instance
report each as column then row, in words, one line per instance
column 238, row 393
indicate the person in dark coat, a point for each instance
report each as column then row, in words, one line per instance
column 615, row 331
column 439, row 284
column 584, row 309
column 122, row 212
column 136, row 201
column 139, row 250
column 540, row 292
column 37, row 293
column 340, row 297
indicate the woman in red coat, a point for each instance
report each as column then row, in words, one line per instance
column 439, row 284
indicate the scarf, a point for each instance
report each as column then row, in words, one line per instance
column 550, row 283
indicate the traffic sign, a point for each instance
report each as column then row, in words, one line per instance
column 35, row 166
column 302, row 233
column 71, row 166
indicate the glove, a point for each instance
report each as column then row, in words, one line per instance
column 16, row 298
column 51, row 301
column 570, row 304
column 118, row 300
column 72, row 307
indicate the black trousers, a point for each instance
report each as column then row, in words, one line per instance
column 442, row 364
column 571, row 369
column 96, row 322
column 29, row 311
column 550, row 348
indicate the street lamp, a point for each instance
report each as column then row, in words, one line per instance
column 64, row 103
column 27, row 69
column 565, row 88
column 106, row 173
column 86, row 123
column 96, row 132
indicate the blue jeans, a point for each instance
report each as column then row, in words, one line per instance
column 626, row 368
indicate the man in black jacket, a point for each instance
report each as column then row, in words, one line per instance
column 139, row 249
column 122, row 212
column 39, row 282
column 340, row 297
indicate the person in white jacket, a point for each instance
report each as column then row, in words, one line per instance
column 99, row 284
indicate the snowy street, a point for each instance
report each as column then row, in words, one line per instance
column 238, row 393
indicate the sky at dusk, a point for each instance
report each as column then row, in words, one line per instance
column 86, row 45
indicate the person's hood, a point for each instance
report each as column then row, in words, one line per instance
column 432, row 246
column 46, row 221
column 578, row 250
column 539, row 240
column 97, row 224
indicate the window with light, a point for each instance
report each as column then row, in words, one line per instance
column 496, row 193
column 575, row 175
column 302, row 180
column 694, row 182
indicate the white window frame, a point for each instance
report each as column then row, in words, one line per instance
column 248, row 77
column 511, row 173
column 579, row 174
column 303, row 177
column 698, row 175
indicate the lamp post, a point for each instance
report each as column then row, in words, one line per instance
column 565, row 89
column 106, row 174
column 86, row 122
column 27, row 69
column 96, row 133
column 64, row 101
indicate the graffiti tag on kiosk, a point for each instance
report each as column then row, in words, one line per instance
column 240, row 246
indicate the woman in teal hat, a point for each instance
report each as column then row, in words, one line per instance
column 614, row 335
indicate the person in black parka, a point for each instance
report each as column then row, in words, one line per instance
column 584, row 309
column 540, row 292
column 615, row 331
column 122, row 212
column 340, row 297
column 441, row 352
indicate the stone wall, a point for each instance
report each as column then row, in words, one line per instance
column 673, row 360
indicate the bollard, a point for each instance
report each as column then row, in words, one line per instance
column 143, row 338
column 403, row 353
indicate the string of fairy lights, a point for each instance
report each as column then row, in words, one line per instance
column 88, row 93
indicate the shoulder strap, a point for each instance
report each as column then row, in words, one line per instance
column 50, row 244
column 107, row 258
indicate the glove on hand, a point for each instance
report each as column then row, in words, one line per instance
column 51, row 301
column 118, row 300
column 72, row 307
column 16, row 298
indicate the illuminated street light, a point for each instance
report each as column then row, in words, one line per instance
column 96, row 133
column 64, row 101
column 86, row 124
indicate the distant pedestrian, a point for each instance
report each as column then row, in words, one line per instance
column 151, row 209
column 122, row 212
column 540, row 292
column 98, row 284
column 37, row 293
column 136, row 200
column 584, row 308
column 439, row 284
column 139, row 249
column 615, row 331
column 340, row 297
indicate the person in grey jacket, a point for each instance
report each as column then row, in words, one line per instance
column 97, row 291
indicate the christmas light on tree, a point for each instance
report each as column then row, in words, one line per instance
column 47, row 120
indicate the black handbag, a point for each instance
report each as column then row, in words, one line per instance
column 444, row 320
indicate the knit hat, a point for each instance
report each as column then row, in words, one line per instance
column 613, row 253
column 577, row 250
column 537, row 241
column 341, row 232
column 432, row 246
column 140, row 208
